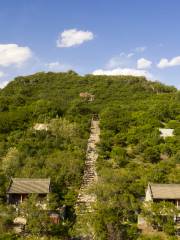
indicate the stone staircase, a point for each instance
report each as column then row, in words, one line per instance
column 85, row 199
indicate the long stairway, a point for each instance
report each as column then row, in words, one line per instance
column 85, row 198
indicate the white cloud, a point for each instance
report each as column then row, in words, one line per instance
column 12, row 54
column 115, row 62
column 58, row 66
column 72, row 37
column 143, row 63
column 140, row 49
column 120, row 60
column 130, row 55
column 123, row 71
column 165, row 63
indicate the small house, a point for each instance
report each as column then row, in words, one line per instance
column 157, row 193
column 163, row 192
column 20, row 188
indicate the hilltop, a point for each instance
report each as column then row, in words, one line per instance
column 131, row 151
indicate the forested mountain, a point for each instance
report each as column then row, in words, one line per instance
column 131, row 151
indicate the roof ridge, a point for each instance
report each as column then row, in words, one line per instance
column 32, row 179
column 27, row 185
column 164, row 184
column 165, row 190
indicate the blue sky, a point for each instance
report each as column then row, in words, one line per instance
column 96, row 36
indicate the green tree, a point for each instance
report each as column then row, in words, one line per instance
column 161, row 216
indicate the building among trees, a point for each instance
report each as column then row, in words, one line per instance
column 160, row 210
column 20, row 188
column 163, row 192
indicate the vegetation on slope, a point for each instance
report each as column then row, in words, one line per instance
column 131, row 152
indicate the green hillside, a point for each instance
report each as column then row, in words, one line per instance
column 131, row 151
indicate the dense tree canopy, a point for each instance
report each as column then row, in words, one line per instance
column 131, row 151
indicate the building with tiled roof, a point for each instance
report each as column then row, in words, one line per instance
column 20, row 188
column 163, row 192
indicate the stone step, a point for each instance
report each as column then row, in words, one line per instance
column 90, row 170
column 89, row 173
column 88, row 176
column 88, row 179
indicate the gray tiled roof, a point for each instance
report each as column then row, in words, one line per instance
column 165, row 191
column 29, row 185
